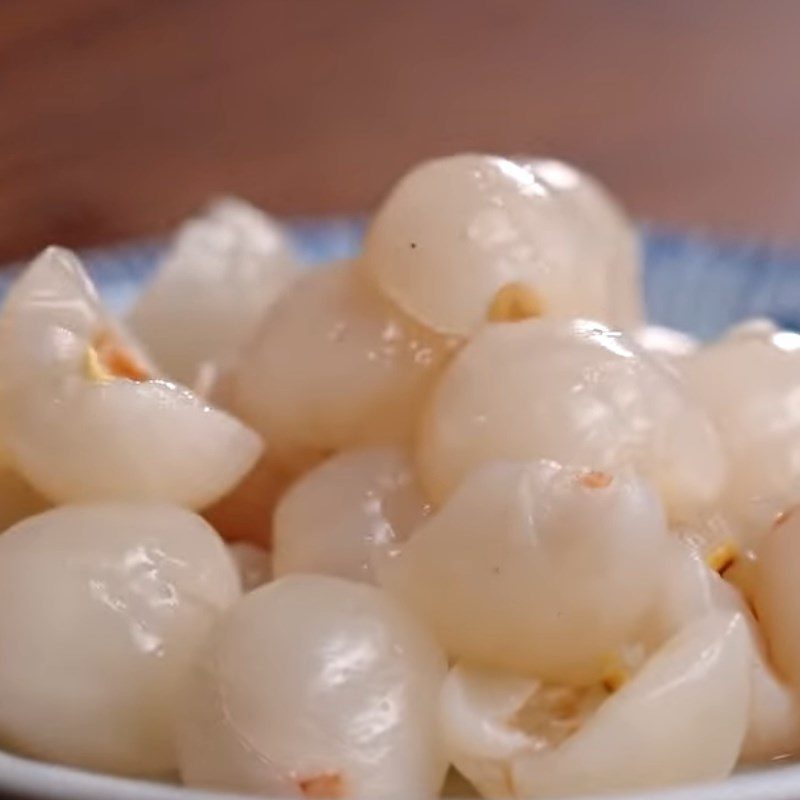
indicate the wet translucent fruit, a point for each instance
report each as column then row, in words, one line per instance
column 514, row 570
column 102, row 610
column 80, row 414
column 335, row 366
column 334, row 519
column 748, row 381
column 681, row 718
column 315, row 686
column 221, row 273
column 455, row 231
column 575, row 392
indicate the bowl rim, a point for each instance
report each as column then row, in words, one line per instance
column 32, row 780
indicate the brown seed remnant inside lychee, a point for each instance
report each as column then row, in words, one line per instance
column 596, row 479
column 116, row 359
column 93, row 368
column 614, row 678
column 615, row 674
column 328, row 785
column 515, row 302
column 723, row 556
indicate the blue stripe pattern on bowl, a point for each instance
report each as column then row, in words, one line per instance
column 698, row 284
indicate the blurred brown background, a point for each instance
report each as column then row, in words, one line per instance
column 117, row 117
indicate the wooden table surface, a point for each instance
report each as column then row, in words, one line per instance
column 118, row 117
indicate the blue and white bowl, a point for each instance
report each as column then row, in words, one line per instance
column 693, row 283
